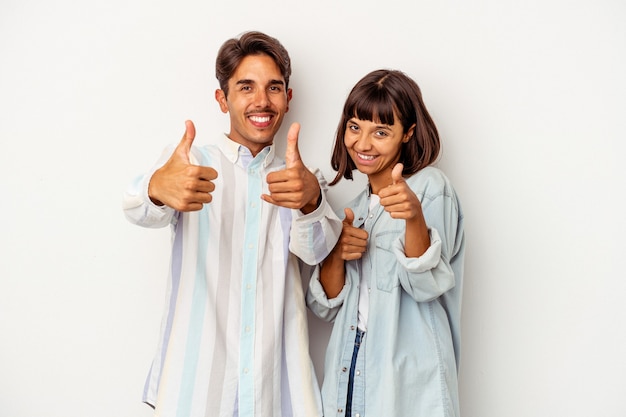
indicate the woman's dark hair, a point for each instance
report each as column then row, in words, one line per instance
column 233, row 51
column 377, row 97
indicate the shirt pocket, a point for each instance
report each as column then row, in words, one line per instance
column 386, row 264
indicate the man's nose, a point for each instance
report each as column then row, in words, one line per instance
column 261, row 98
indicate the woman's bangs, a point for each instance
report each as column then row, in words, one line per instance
column 376, row 107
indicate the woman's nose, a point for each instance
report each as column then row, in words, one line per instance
column 362, row 142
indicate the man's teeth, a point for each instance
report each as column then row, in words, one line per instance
column 258, row 119
column 366, row 157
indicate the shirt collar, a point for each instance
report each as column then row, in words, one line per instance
column 233, row 150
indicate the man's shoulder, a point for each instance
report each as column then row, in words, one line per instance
column 205, row 152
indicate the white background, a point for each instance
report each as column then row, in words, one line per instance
column 529, row 97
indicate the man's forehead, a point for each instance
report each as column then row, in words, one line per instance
column 257, row 69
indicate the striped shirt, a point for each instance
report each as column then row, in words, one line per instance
column 234, row 338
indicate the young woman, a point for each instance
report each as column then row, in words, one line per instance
column 392, row 284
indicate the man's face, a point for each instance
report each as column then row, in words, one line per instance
column 257, row 102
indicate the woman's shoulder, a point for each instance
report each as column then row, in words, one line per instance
column 431, row 177
column 431, row 184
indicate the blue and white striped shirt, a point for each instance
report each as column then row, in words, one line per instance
column 234, row 338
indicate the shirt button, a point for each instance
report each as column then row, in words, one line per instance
column 247, row 328
column 340, row 410
column 358, row 373
column 344, row 369
column 245, row 370
column 357, row 415
column 351, row 327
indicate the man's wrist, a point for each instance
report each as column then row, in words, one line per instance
column 154, row 201
column 312, row 205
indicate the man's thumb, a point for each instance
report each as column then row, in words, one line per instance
column 292, row 154
column 349, row 219
column 184, row 147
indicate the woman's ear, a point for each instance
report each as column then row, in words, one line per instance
column 409, row 133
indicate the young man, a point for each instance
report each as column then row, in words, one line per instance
column 234, row 338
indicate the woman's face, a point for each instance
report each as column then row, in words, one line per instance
column 375, row 148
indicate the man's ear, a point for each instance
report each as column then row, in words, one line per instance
column 221, row 100
column 289, row 95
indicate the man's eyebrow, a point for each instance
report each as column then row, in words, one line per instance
column 248, row 81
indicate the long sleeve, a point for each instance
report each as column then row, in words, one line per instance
column 137, row 206
column 429, row 276
column 318, row 302
column 314, row 235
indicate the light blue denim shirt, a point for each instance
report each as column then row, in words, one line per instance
column 412, row 345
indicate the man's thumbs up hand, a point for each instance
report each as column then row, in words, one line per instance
column 178, row 183
column 295, row 186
